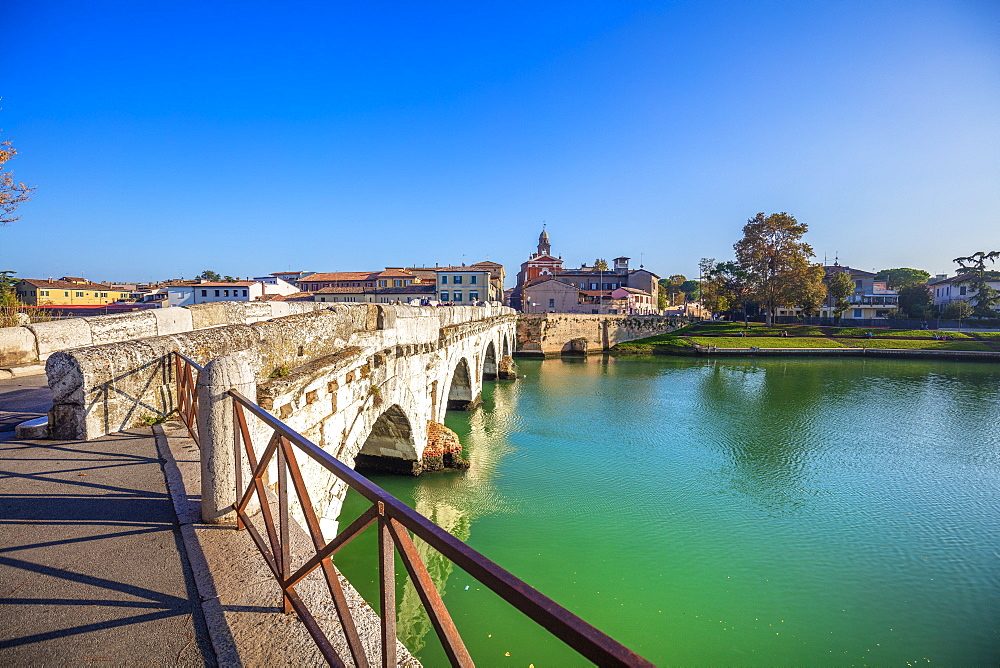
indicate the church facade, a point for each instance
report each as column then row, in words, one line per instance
column 544, row 285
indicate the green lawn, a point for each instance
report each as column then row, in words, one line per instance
column 894, row 333
column 734, row 328
column 928, row 344
column 651, row 344
column 763, row 342
column 987, row 335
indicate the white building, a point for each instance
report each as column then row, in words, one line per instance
column 202, row 293
column 275, row 285
column 945, row 290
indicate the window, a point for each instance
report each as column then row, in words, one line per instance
column 381, row 284
column 473, row 295
column 244, row 293
column 552, row 304
column 458, row 280
column 322, row 299
column 367, row 285
column 216, row 293
column 225, row 293
column 472, row 279
column 456, row 297
column 66, row 293
column 593, row 286
column 444, row 279
column 398, row 283
column 962, row 290
column 444, row 298
column 79, row 294
column 857, row 285
column 45, row 293
column 857, row 313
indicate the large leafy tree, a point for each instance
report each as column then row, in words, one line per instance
column 977, row 277
column 902, row 276
column 725, row 287
column 773, row 254
column 808, row 289
column 841, row 287
column 672, row 286
column 957, row 310
column 708, row 290
column 209, row 275
column 690, row 290
column 915, row 300
column 12, row 193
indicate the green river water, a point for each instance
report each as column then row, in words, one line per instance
column 730, row 512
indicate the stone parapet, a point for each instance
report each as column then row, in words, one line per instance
column 108, row 387
column 35, row 342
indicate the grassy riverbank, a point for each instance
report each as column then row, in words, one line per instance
column 734, row 335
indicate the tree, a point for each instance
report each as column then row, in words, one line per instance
column 7, row 281
column 709, row 293
column 957, row 310
column 600, row 265
column 978, row 276
column 690, row 290
column 840, row 288
column 901, row 277
column 773, row 254
column 731, row 282
column 661, row 296
column 915, row 300
column 672, row 286
column 808, row 291
column 12, row 193
column 209, row 275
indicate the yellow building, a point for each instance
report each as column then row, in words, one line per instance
column 67, row 291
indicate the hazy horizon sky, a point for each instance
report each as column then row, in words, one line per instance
column 247, row 138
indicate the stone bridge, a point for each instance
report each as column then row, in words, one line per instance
column 370, row 383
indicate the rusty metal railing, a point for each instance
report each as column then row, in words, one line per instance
column 395, row 522
column 185, row 374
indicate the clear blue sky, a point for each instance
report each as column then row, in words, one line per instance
column 170, row 137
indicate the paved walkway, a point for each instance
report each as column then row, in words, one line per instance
column 103, row 558
column 92, row 567
column 22, row 399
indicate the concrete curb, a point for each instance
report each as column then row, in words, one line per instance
column 187, row 512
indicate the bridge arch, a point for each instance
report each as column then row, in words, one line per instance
column 506, row 345
column 490, row 367
column 460, row 388
column 390, row 445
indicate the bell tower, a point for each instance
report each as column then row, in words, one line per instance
column 543, row 243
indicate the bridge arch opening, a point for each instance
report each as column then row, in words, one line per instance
column 506, row 346
column 460, row 396
column 490, row 362
column 389, row 447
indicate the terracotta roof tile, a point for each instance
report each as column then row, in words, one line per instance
column 67, row 285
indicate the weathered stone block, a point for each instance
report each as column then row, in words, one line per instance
column 172, row 320
column 257, row 311
column 208, row 315
column 122, row 327
column 17, row 346
column 60, row 335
